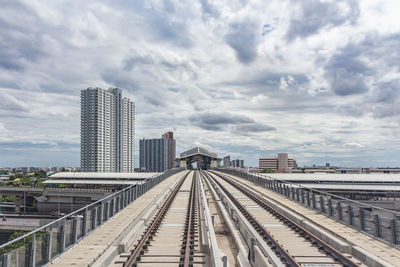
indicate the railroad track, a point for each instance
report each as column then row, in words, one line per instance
column 172, row 238
column 291, row 243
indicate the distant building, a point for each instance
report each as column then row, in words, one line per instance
column 227, row 161
column 157, row 155
column 237, row 163
column 280, row 163
column 107, row 131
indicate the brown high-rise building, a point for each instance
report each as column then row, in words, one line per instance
column 158, row 154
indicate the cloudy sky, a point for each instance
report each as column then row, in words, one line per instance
column 245, row 78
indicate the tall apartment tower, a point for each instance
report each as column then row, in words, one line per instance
column 107, row 131
column 157, row 154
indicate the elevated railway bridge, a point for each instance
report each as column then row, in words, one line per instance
column 212, row 218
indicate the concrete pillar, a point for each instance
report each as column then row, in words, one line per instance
column 302, row 196
column 49, row 237
column 308, row 199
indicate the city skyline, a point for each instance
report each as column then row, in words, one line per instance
column 248, row 79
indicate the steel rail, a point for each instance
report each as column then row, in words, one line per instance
column 322, row 245
column 188, row 239
column 153, row 227
column 280, row 251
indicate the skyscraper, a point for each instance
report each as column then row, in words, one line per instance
column 107, row 131
column 157, row 154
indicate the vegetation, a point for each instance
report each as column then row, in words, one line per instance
column 8, row 198
column 267, row 171
column 19, row 243
column 33, row 180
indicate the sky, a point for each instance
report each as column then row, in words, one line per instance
column 249, row 79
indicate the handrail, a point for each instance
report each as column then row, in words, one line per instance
column 76, row 212
column 318, row 191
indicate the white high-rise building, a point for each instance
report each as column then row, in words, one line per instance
column 107, row 131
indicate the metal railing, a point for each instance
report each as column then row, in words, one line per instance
column 40, row 246
column 361, row 216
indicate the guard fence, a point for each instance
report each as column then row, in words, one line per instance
column 40, row 246
column 376, row 221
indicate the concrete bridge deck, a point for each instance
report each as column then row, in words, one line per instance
column 104, row 240
column 118, row 235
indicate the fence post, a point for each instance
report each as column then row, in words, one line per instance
column 393, row 227
column 377, row 225
column 63, row 232
column 330, row 208
column 32, row 251
column 49, row 236
column 350, row 215
column 84, row 222
column 362, row 219
column 339, row 208
column 74, row 231
column 314, row 204
column 322, row 204
column 6, row 260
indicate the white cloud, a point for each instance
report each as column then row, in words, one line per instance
column 182, row 59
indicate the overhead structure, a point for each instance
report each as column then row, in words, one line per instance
column 203, row 158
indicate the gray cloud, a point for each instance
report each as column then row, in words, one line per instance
column 346, row 72
column 313, row 15
column 209, row 9
column 253, row 128
column 217, row 122
column 243, row 37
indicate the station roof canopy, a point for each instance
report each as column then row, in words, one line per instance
column 336, row 178
column 104, row 175
column 100, row 178
column 197, row 151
